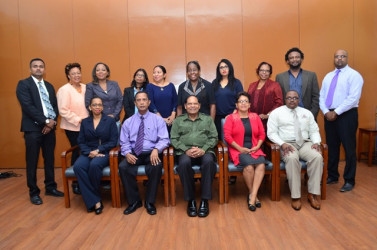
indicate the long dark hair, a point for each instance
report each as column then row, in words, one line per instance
column 146, row 81
column 219, row 77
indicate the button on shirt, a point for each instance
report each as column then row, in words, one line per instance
column 347, row 92
column 281, row 126
column 296, row 84
column 155, row 133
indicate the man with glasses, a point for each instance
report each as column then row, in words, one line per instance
column 339, row 100
column 303, row 81
column 294, row 129
column 39, row 115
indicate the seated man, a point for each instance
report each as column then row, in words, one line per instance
column 142, row 138
column 194, row 136
column 294, row 129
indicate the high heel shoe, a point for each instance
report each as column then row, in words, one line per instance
column 251, row 207
column 99, row 210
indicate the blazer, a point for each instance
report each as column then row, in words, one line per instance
column 310, row 89
column 128, row 102
column 33, row 118
column 234, row 131
column 104, row 137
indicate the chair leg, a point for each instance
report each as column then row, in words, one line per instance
column 226, row 191
column 66, row 193
column 172, row 190
column 166, row 191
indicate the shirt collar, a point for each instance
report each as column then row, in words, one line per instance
column 36, row 80
column 200, row 117
column 145, row 115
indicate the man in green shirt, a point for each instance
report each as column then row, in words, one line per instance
column 194, row 136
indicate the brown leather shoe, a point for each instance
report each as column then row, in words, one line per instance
column 296, row 204
column 313, row 200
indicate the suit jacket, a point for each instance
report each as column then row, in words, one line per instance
column 310, row 89
column 128, row 102
column 33, row 118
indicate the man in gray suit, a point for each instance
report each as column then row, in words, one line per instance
column 303, row 81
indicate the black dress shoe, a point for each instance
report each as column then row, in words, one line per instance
column 203, row 210
column 54, row 192
column 331, row 181
column 151, row 209
column 346, row 187
column 232, row 180
column 191, row 208
column 99, row 210
column 258, row 204
column 132, row 208
column 76, row 187
column 36, row 200
column 251, row 207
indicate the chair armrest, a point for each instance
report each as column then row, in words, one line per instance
column 64, row 156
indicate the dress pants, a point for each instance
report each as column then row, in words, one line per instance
column 342, row 130
column 34, row 141
column 89, row 173
column 72, row 137
column 186, row 174
column 314, row 162
column 128, row 173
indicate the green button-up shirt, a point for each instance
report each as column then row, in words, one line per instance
column 186, row 133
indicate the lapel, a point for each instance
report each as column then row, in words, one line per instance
column 286, row 82
column 304, row 77
column 35, row 93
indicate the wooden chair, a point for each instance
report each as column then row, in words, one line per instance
column 141, row 176
column 231, row 170
column 281, row 171
column 69, row 175
column 173, row 174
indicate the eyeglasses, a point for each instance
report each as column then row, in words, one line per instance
column 243, row 101
column 224, row 67
column 340, row 56
column 140, row 75
column 291, row 98
column 264, row 70
column 96, row 105
column 192, row 71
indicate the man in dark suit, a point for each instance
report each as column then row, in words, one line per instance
column 303, row 81
column 39, row 115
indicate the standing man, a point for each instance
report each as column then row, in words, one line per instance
column 143, row 137
column 39, row 115
column 303, row 81
column 194, row 136
column 339, row 99
column 294, row 129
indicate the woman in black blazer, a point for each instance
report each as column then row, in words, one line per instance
column 98, row 135
column 138, row 83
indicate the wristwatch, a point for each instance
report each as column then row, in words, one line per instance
column 47, row 121
column 97, row 150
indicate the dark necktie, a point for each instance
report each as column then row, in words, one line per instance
column 46, row 101
column 330, row 94
column 140, row 138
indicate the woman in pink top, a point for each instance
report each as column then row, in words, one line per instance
column 71, row 105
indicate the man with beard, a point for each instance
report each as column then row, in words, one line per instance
column 303, row 81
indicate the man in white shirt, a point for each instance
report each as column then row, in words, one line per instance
column 339, row 100
column 294, row 129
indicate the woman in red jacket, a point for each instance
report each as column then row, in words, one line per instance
column 244, row 133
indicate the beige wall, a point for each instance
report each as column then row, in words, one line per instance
column 131, row 34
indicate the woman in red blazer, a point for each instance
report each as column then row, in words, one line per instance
column 244, row 133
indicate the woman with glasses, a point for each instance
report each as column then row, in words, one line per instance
column 197, row 86
column 98, row 135
column 226, row 87
column 265, row 94
column 163, row 96
column 71, row 105
column 244, row 133
column 139, row 83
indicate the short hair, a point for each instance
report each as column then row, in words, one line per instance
column 295, row 49
column 146, row 81
column 70, row 66
column 90, row 103
column 36, row 59
column 242, row 93
column 192, row 96
column 95, row 79
column 264, row 63
column 291, row 90
column 142, row 92
column 196, row 63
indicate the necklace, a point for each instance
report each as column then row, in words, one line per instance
column 78, row 89
column 162, row 89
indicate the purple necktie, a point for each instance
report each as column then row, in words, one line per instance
column 330, row 94
column 140, row 138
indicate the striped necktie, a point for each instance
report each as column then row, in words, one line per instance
column 140, row 138
column 46, row 101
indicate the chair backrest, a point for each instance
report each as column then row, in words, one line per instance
column 222, row 131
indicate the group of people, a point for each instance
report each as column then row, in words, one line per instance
column 156, row 116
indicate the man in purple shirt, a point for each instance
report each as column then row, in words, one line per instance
column 142, row 139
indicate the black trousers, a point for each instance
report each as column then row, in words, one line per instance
column 72, row 137
column 128, row 175
column 186, row 174
column 34, row 141
column 342, row 131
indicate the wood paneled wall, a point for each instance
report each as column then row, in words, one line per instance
column 131, row 34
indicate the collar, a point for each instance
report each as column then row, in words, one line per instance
column 200, row 117
column 145, row 115
column 36, row 80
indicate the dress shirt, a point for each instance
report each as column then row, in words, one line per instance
column 281, row 125
column 155, row 133
column 186, row 133
column 295, row 83
column 71, row 105
column 45, row 112
column 347, row 92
